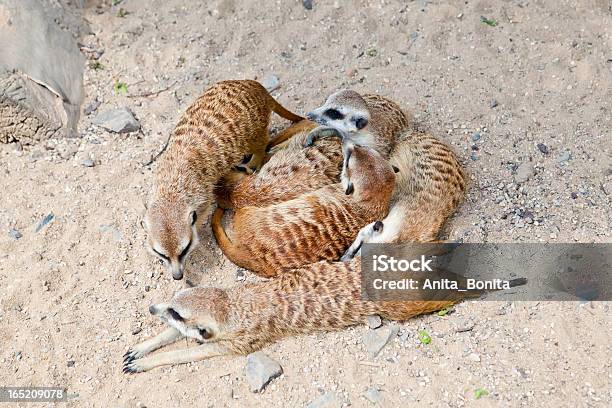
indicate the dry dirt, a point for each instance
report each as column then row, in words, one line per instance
column 74, row 295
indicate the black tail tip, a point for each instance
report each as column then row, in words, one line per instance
column 517, row 282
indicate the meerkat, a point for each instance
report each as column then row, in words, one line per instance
column 294, row 170
column 369, row 120
column 429, row 187
column 227, row 122
column 314, row 226
column 323, row 296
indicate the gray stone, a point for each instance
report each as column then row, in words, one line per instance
column 327, row 400
column 260, row 370
column 92, row 107
column 524, row 172
column 15, row 234
column 46, row 220
column 118, row 120
column 494, row 103
column 271, row 82
column 607, row 188
column 375, row 340
column 542, row 148
column 307, row 4
column 565, row 156
column 88, row 163
column 374, row 321
column 373, row 395
column 476, row 136
column 465, row 326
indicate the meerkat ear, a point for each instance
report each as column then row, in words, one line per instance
column 360, row 123
column 396, row 169
column 194, row 217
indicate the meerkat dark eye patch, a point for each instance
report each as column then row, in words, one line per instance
column 360, row 123
column 333, row 114
column 194, row 217
column 205, row 334
column 175, row 315
column 162, row 256
column 395, row 169
column 184, row 251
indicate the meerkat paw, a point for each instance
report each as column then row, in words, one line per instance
column 133, row 366
column 365, row 235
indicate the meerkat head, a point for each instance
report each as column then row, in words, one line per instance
column 345, row 110
column 172, row 234
column 366, row 173
column 198, row 313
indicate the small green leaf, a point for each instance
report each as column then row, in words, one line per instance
column 95, row 65
column 424, row 337
column 371, row 52
column 120, row 87
column 488, row 21
column 116, row 2
column 480, row 392
column 443, row 312
column 122, row 12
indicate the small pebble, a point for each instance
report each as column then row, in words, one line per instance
column 48, row 218
column 493, row 103
column 524, row 172
column 543, row 148
column 374, row 321
column 373, row 395
column 88, row 163
column 260, row 370
column 375, row 340
column 70, row 363
column 307, row 4
column 15, row 234
column 271, row 82
column 476, row 136
column 565, row 156
column 574, row 195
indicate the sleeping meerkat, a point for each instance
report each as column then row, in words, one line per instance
column 290, row 171
column 227, row 122
column 294, row 170
column 429, row 187
column 316, row 225
column 323, row 296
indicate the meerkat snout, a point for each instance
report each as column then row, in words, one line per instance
column 169, row 240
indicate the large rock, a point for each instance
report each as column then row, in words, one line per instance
column 260, row 370
column 41, row 70
column 118, row 120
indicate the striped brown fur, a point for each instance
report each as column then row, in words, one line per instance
column 293, row 169
column 429, row 187
column 316, row 225
column 227, row 122
column 323, row 296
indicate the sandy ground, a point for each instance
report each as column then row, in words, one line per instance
column 74, row 295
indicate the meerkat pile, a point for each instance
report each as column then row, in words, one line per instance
column 356, row 171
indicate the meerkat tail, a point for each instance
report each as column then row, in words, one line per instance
column 282, row 112
column 291, row 131
column 231, row 251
